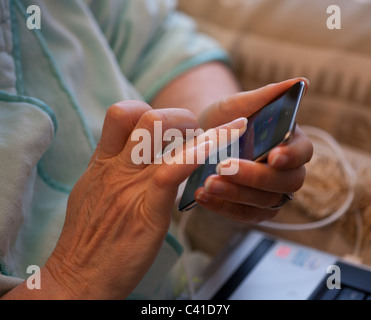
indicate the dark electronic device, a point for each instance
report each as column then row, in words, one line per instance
column 267, row 128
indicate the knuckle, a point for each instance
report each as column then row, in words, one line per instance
column 133, row 104
column 187, row 113
column 149, row 117
column 122, row 109
column 161, row 178
column 116, row 111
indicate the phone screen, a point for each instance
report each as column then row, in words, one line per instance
column 270, row 126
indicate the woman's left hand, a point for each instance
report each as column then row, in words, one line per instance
column 255, row 192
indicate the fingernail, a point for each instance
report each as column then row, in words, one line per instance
column 202, row 197
column 240, row 123
column 223, row 164
column 215, row 187
column 279, row 160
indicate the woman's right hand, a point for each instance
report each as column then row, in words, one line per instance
column 118, row 212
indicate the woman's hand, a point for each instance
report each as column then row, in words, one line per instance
column 253, row 193
column 119, row 212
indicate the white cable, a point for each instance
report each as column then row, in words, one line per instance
column 351, row 179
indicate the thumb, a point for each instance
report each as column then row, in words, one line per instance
column 244, row 104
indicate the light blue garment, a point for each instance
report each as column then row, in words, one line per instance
column 55, row 87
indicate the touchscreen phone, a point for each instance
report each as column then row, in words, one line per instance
column 267, row 128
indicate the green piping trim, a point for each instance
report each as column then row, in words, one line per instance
column 35, row 102
column 3, row 269
column 45, row 108
column 54, row 184
column 142, row 60
column 16, row 52
column 121, row 51
column 59, row 78
column 207, row 56
column 173, row 242
column 127, row 27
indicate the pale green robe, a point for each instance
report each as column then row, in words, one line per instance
column 55, row 86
